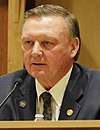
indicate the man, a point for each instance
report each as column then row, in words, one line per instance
column 51, row 45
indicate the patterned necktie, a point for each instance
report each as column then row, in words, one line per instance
column 47, row 106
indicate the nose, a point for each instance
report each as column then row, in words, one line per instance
column 36, row 50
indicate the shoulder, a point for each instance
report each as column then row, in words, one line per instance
column 87, row 70
column 13, row 76
column 91, row 74
column 7, row 81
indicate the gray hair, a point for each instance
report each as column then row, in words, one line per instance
column 55, row 10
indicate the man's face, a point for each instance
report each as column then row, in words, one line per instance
column 47, row 50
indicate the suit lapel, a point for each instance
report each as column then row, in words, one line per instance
column 26, row 103
column 69, row 108
column 73, row 96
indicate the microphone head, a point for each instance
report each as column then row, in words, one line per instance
column 19, row 80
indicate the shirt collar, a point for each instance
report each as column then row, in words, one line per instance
column 57, row 91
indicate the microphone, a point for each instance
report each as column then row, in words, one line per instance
column 16, row 83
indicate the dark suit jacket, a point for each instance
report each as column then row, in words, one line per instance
column 82, row 95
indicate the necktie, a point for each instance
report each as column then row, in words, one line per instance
column 47, row 112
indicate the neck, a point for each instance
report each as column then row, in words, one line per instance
column 49, row 82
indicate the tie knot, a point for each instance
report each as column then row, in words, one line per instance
column 46, row 96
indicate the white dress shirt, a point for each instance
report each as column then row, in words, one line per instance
column 57, row 92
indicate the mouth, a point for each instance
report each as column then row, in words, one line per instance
column 38, row 64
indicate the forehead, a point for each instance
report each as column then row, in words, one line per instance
column 45, row 23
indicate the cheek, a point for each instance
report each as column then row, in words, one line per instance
column 26, row 57
column 53, row 60
column 61, row 58
column 23, row 53
column 26, row 61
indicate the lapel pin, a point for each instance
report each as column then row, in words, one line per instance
column 22, row 104
column 69, row 112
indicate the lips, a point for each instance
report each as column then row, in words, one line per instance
column 38, row 63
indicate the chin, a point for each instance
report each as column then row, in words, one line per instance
column 38, row 74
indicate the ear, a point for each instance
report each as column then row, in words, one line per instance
column 75, row 43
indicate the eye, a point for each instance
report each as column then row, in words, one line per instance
column 47, row 44
column 28, row 45
column 28, row 42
